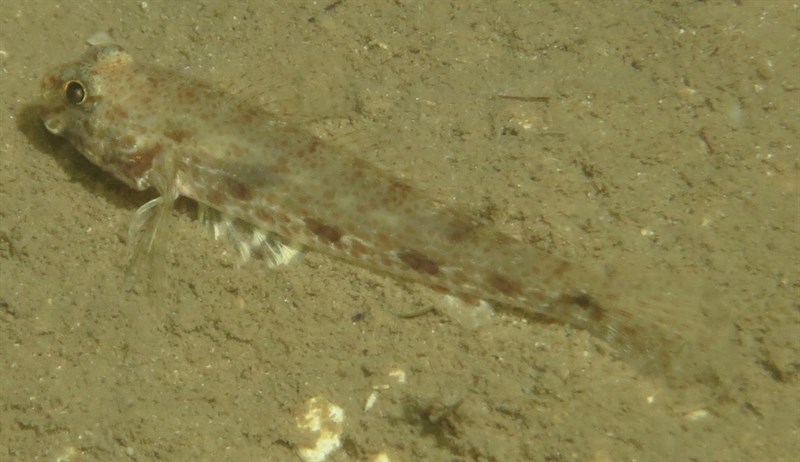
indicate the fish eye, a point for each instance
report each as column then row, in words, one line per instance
column 75, row 92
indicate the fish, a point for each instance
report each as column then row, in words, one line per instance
column 275, row 189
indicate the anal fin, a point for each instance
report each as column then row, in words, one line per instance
column 250, row 241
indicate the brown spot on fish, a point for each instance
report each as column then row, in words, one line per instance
column 216, row 198
column 248, row 115
column 314, row 145
column 357, row 169
column 504, row 285
column 325, row 232
column 239, row 190
column 461, row 229
column 560, row 268
column 418, row 262
column 117, row 113
column 135, row 165
column 265, row 216
column 186, row 94
column 177, row 135
column 596, row 313
column 357, row 249
column 397, row 191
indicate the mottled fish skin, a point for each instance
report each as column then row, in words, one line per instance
column 152, row 127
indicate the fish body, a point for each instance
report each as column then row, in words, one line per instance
column 289, row 189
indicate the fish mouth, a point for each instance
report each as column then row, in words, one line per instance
column 53, row 120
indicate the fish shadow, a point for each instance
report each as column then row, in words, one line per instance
column 79, row 168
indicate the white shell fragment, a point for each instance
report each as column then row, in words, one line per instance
column 324, row 419
column 100, row 39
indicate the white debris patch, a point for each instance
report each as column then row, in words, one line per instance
column 101, row 39
column 469, row 316
column 396, row 376
column 325, row 420
column 399, row 375
column 370, row 401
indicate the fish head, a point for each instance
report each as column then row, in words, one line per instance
column 87, row 102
